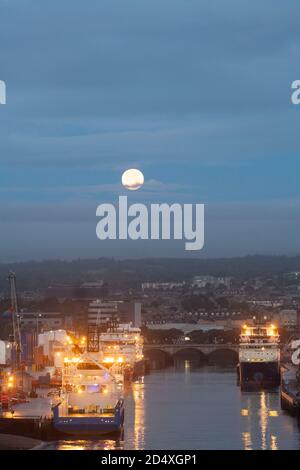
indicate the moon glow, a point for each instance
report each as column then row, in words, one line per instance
column 132, row 179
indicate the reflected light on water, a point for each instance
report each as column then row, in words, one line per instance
column 274, row 445
column 66, row 445
column 247, row 440
column 246, row 435
column 187, row 371
column 139, row 414
column 88, row 444
column 258, row 427
column 263, row 420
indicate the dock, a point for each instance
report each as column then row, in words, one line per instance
column 32, row 420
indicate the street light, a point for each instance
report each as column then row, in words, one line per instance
column 38, row 315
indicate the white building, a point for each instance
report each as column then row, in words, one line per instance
column 288, row 318
column 202, row 281
column 41, row 320
column 162, row 285
column 101, row 312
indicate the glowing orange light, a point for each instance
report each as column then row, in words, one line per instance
column 108, row 360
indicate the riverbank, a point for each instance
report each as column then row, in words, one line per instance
column 12, row 442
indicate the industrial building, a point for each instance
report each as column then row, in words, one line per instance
column 101, row 312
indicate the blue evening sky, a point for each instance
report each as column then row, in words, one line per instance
column 195, row 93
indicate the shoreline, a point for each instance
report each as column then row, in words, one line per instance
column 14, row 442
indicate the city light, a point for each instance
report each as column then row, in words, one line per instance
column 108, row 360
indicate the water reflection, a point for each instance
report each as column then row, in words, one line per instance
column 263, row 420
column 81, row 444
column 139, row 414
column 247, row 440
column 265, row 425
column 187, row 407
column 274, row 445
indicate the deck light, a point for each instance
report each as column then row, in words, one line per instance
column 108, row 360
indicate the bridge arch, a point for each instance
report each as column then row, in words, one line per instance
column 190, row 354
column 223, row 356
column 158, row 358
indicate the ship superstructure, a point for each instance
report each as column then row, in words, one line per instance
column 121, row 348
column 259, row 356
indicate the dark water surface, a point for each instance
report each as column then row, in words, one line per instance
column 186, row 408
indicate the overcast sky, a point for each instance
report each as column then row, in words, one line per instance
column 195, row 93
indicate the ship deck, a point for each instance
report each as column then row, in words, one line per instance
column 89, row 415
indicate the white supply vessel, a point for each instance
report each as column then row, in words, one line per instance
column 259, row 356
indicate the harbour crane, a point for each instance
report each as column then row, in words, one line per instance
column 16, row 336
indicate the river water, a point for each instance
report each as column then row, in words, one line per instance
column 202, row 408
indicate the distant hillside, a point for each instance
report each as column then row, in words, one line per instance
column 32, row 275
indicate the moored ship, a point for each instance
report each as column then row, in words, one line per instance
column 259, row 356
column 290, row 377
column 290, row 389
column 91, row 403
column 121, row 350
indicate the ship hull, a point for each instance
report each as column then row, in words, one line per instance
column 259, row 375
column 139, row 369
column 89, row 425
column 79, row 427
column 289, row 401
column 289, row 390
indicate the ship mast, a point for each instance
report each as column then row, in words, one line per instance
column 16, row 339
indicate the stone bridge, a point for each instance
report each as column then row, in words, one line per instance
column 165, row 354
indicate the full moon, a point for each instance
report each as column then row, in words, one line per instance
column 132, row 179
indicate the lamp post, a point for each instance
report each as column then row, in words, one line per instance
column 38, row 315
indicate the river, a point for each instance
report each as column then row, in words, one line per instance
column 198, row 408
